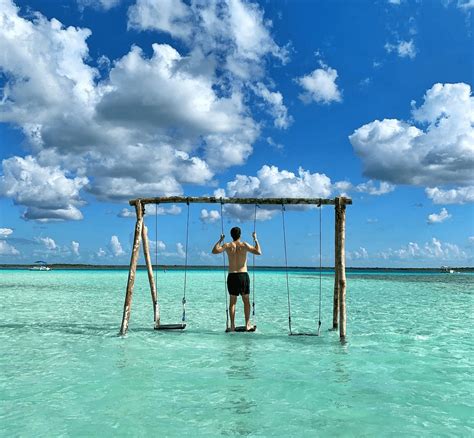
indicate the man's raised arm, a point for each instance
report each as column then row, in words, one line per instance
column 218, row 247
column 256, row 248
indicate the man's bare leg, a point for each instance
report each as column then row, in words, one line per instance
column 246, row 300
column 233, row 301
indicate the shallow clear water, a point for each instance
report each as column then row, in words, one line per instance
column 406, row 368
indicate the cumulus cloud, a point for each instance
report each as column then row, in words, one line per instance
column 47, row 191
column 465, row 4
column 320, row 86
column 116, row 247
column 180, row 251
column 440, row 150
column 404, row 49
column 434, row 249
column 460, row 195
column 75, row 248
column 205, row 256
column 48, row 242
column 275, row 104
column 235, row 31
column 5, row 232
column 437, row 218
column 371, row 188
column 157, row 245
column 171, row 118
column 270, row 182
column 151, row 209
column 274, row 144
column 170, row 16
column 101, row 253
column 7, row 250
column 209, row 216
column 98, row 4
column 360, row 254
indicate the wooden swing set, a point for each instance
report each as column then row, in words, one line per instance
column 141, row 234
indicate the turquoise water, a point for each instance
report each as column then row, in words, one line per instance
column 405, row 370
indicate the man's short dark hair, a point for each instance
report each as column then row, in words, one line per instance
column 235, row 233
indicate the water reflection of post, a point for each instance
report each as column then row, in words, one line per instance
column 238, row 354
column 341, row 373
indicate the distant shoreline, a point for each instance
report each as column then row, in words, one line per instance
column 63, row 266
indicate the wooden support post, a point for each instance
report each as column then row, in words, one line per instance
column 341, row 264
column 151, row 278
column 335, row 307
column 133, row 268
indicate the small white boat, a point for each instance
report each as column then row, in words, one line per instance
column 40, row 265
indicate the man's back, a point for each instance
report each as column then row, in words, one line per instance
column 237, row 253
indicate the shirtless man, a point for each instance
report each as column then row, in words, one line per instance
column 238, row 280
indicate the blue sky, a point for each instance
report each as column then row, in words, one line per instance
column 102, row 101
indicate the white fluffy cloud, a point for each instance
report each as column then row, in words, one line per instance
column 209, row 216
column 275, row 105
column 359, row 254
column 180, row 251
column 270, row 182
column 434, row 249
column 437, row 218
column 116, row 247
column 440, row 151
column 151, row 209
column 170, row 118
column 371, row 188
column 49, row 243
column 404, row 49
column 75, row 248
column 170, row 16
column 46, row 191
column 461, row 195
column 5, row 232
column 466, row 4
column 98, row 4
column 157, row 245
column 235, row 30
column 7, row 250
column 320, row 86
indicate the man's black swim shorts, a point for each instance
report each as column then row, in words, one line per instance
column 238, row 283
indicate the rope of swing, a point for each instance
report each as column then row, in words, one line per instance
column 157, row 306
column 185, row 265
column 320, row 267
column 253, row 266
column 224, row 271
column 286, row 267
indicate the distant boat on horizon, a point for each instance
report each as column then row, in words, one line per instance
column 40, row 265
column 448, row 270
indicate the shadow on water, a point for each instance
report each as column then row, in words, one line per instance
column 240, row 371
column 331, row 337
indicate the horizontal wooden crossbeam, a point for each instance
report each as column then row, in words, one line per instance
column 259, row 201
